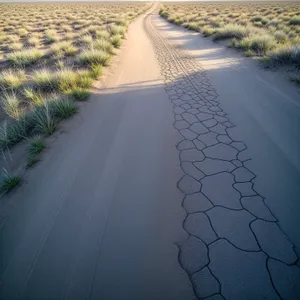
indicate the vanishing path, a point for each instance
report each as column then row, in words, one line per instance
column 148, row 195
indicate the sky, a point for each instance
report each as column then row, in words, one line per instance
column 147, row 0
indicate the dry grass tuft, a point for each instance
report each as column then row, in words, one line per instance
column 258, row 29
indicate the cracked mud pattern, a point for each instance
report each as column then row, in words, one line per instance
column 235, row 248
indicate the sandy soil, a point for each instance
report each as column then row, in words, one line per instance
column 265, row 108
column 101, row 213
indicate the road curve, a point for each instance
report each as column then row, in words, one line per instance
column 146, row 195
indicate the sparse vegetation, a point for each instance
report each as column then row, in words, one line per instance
column 44, row 120
column 11, row 105
column 94, row 56
column 256, row 28
column 35, row 147
column 9, row 182
column 63, row 108
column 50, row 54
column 24, row 58
column 12, row 79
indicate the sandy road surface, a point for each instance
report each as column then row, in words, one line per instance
column 150, row 194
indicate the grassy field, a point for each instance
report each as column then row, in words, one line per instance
column 50, row 54
column 269, row 30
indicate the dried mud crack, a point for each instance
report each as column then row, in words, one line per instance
column 235, row 248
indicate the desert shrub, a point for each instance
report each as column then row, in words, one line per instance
column 295, row 20
column 256, row 19
column 280, row 36
column 288, row 54
column 163, row 13
column 274, row 22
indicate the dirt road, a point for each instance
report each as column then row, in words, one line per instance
column 149, row 192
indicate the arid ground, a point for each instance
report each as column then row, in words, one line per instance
column 143, row 158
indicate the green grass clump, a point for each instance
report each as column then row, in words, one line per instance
column 288, row 54
column 116, row 40
column 280, row 36
column 35, row 146
column 115, row 29
column 79, row 94
column 9, row 182
column 65, row 79
column 87, row 39
column 44, row 120
column 44, row 79
column 96, row 71
column 11, row 105
column 231, row 31
column 64, row 48
column 84, row 79
column 256, row 19
column 12, row 79
column 24, row 58
column 250, row 53
column 295, row 20
column 51, row 36
column 35, row 97
column 258, row 43
column 33, row 41
column 193, row 26
column 63, row 108
column 94, row 57
column 102, row 34
column 12, row 133
column 208, row 31
column 102, row 44
column 163, row 13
